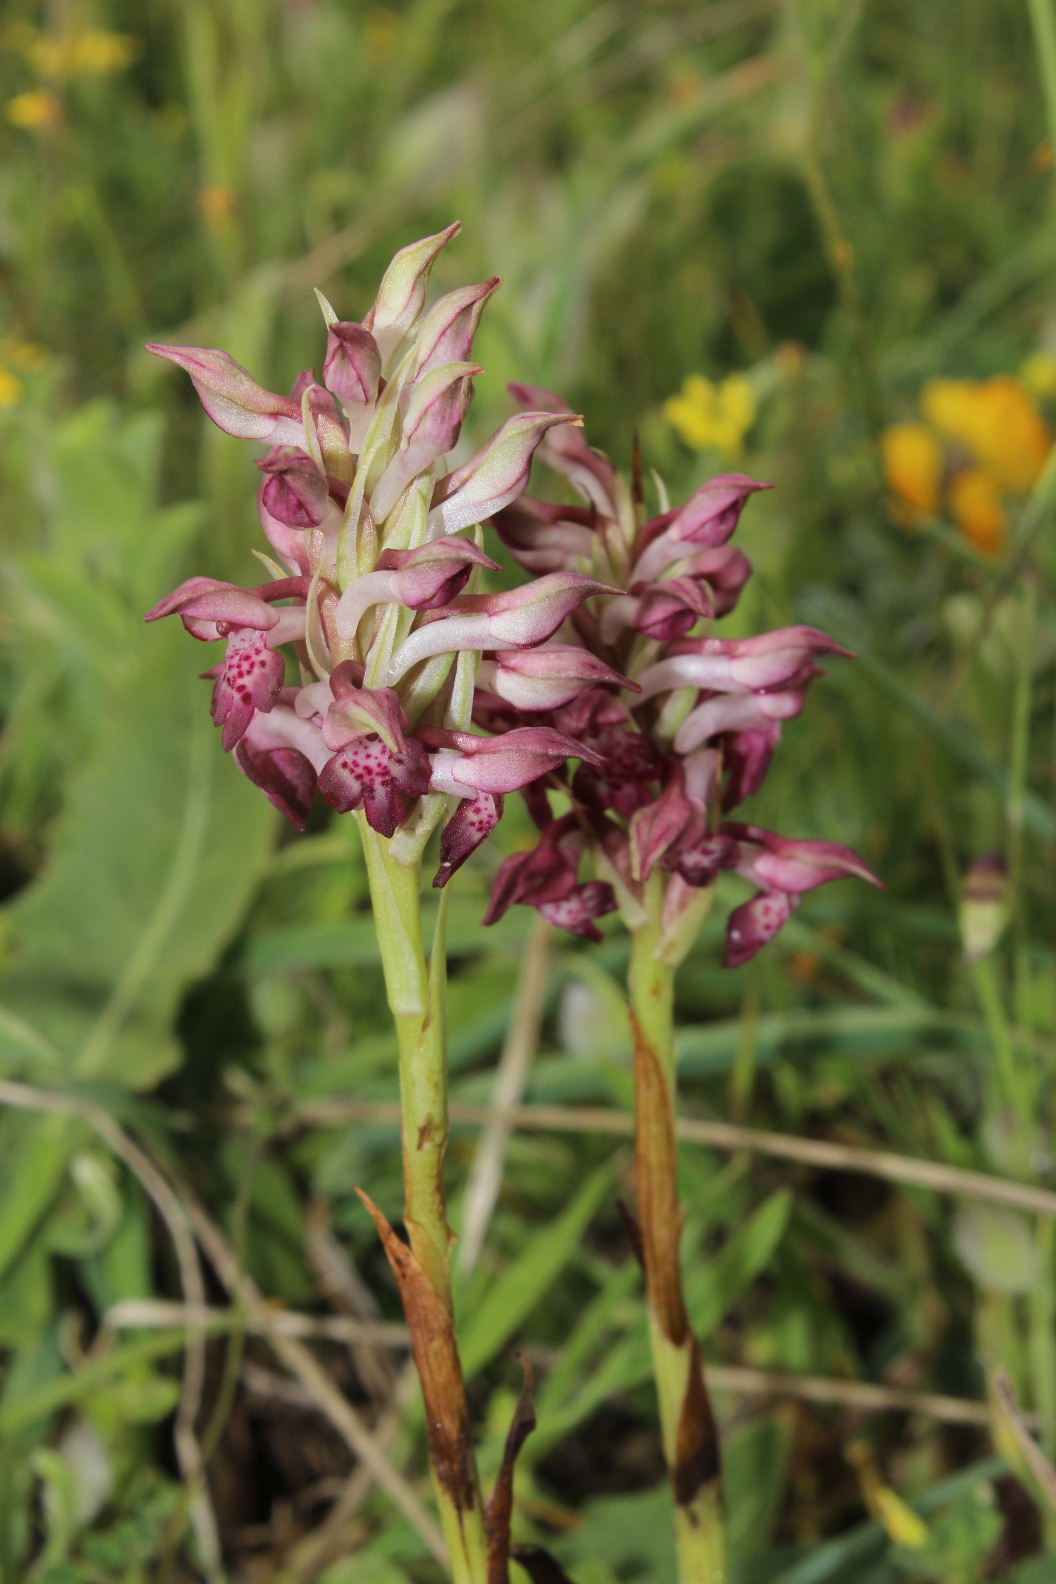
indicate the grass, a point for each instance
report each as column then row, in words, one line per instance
column 842, row 201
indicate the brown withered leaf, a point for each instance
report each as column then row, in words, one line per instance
column 632, row 1231
column 439, row 1368
column 659, row 1211
column 540, row 1565
column 499, row 1511
column 697, row 1457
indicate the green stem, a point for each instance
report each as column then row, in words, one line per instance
column 1043, row 22
column 416, row 995
column 689, row 1435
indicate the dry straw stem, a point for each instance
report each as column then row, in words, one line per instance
column 300, row 1361
column 822, row 1153
column 511, row 1076
column 726, row 1379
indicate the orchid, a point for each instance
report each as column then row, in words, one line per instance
column 351, row 674
column 676, row 727
column 376, row 543
column 371, row 670
column 682, row 724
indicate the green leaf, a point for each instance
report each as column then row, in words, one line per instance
column 719, row 1283
column 523, row 1284
column 36, row 1150
column 153, row 864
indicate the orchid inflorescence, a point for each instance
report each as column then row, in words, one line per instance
column 598, row 682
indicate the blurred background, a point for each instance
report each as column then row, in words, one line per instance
column 811, row 240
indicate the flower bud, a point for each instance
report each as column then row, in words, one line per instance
column 352, row 366
column 233, row 399
column 401, row 295
column 447, row 331
column 496, row 475
column 985, row 907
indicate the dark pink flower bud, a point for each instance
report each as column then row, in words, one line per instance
column 544, row 537
column 352, row 366
column 496, row 475
column 447, row 331
column 754, row 924
column 401, row 296
column 233, row 399
column 546, row 873
column 672, row 820
column 472, row 822
column 577, row 911
column 513, row 619
column 294, row 491
column 671, row 609
column 547, row 677
column 566, row 451
column 709, row 517
column 282, row 754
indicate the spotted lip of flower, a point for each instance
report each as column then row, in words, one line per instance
column 251, row 674
column 377, row 766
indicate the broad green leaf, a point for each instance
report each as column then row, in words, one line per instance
column 152, row 866
column 36, row 1150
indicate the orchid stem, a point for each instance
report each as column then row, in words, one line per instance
column 416, row 995
column 690, row 1438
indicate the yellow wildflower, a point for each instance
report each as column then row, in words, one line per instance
column 713, row 416
column 997, row 420
column 10, row 388
column 900, row 1522
column 975, row 502
column 34, row 110
column 86, row 52
column 1039, row 374
column 913, row 467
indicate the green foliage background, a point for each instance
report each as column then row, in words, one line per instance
column 842, row 199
